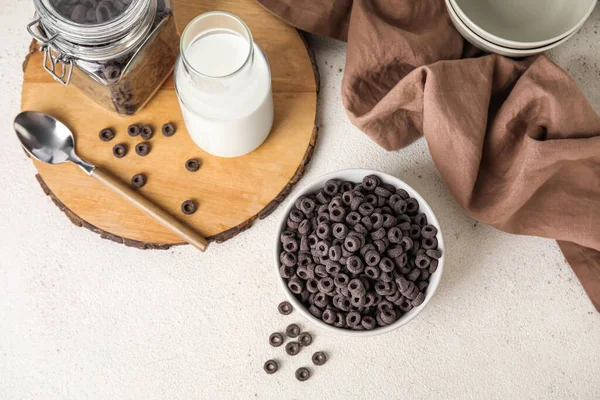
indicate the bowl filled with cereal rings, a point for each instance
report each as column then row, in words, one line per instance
column 359, row 252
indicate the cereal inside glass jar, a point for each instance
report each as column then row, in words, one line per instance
column 118, row 52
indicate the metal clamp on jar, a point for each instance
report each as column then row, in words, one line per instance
column 118, row 52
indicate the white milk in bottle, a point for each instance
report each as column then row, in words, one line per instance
column 223, row 83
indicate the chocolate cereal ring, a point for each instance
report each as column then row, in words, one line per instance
column 400, row 206
column 271, row 367
column 422, row 261
column 389, row 221
column 429, row 243
column 319, row 358
column 358, row 301
column 386, row 276
column 366, row 209
column 168, row 129
column 395, row 251
column 378, row 234
column 366, row 222
column 276, row 339
column 372, row 272
column 414, row 275
column 302, row 374
column 385, row 305
column 406, row 306
column 322, row 218
column 433, row 266
column 353, row 218
column 321, row 300
column 320, row 271
column 312, row 285
column 133, row 130
column 106, row 135
column 344, row 304
column 305, row 339
column 335, row 252
column 292, row 331
column 304, row 227
column 370, row 182
column 418, row 300
column 289, row 259
column 420, row 219
column 138, row 181
column 370, row 299
column 406, row 243
column 381, row 245
column 329, row 316
column 285, row 308
column 120, row 150
column 291, row 245
column 337, row 214
column 142, row 149
column 346, row 186
column 353, row 318
column 192, row 165
column 352, row 243
column 307, row 205
column 386, row 265
column 388, row 316
column 188, row 207
column 354, row 265
column 394, row 235
column 341, row 280
column 286, row 272
column 146, row 132
column 296, row 286
column 412, row 206
column 333, row 268
column 322, row 198
column 372, row 257
column 376, row 220
column 340, row 320
column 361, row 230
column 368, row 323
column 315, row 312
column 434, row 253
column 326, row 285
column 331, row 187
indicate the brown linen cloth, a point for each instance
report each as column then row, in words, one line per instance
column 516, row 141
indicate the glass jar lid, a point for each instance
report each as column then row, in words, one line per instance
column 117, row 26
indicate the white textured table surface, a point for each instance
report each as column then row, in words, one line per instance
column 85, row 318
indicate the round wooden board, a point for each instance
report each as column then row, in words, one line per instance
column 231, row 193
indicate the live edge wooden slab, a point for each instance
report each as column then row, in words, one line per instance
column 231, row 193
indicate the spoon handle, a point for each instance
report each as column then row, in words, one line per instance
column 186, row 233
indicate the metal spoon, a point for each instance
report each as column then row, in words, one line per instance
column 51, row 142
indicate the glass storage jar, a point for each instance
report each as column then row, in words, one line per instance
column 118, row 52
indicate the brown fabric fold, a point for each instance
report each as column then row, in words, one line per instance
column 516, row 141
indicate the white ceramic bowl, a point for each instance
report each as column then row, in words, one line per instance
column 485, row 45
column 356, row 175
column 524, row 24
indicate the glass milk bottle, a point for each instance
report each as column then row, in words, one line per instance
column 223, row 84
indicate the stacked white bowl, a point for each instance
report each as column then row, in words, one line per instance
column 518, row 28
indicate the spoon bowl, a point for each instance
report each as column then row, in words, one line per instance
column 47, row 139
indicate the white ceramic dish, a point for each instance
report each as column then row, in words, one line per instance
column 484, row 45
column 524, row 24
column 356, row 175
